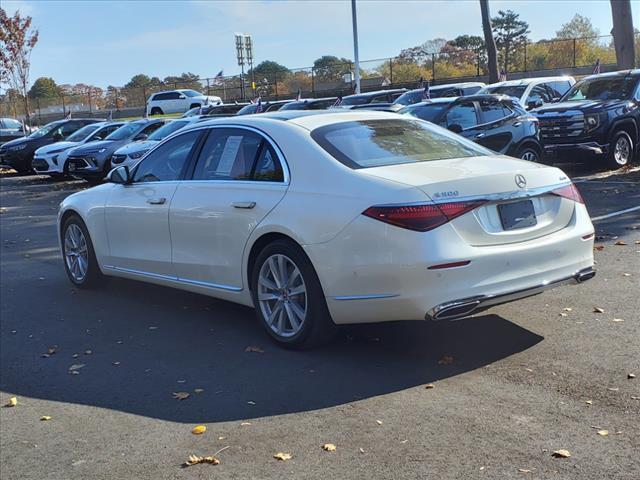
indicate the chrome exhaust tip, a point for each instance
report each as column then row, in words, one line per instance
column 456, row 310
column 584, row 275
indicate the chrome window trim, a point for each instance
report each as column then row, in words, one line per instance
column 173, row 278
column 366, row 297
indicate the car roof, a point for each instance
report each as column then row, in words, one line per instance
column 376, row 92
column 529, row 81
column 476, row 97
column 619, row 73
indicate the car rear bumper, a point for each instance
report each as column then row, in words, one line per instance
column 376, row 273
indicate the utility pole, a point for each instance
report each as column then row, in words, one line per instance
column 355, row 45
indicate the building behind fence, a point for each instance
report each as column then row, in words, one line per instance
column 575, row 56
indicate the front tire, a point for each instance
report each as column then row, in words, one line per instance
column 78, row 255
column 288, row 297
column 156, row 111
column 620, row 150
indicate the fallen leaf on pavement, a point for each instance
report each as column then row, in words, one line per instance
column 153, row 328
column 631, row 375
column 329, row 447
column 45, row 418
column 626, row 274
column 617, row 320
column 254, row 349
column 613, row 389
column 88, row 352
column 181, row 395
column 561, row 454
column 194, row 460
column 361, row 450
column 282, row 456
column 599, row 247
column 115, row 364
column 598, row 310
column 567, row 309
column 245, row 424
column 379, row 422
column 198, row 390
column 589, row 402
column 429, row 386
column 76, row 366
column 603, row 433
column 524, row 470
column 620, row 242
column 198, row 430
column 446, row 360
column 13, row 401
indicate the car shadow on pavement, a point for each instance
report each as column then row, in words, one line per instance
column 138, row 344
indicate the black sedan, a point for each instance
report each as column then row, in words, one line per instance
column 497, row 122
column 18, row 153
column 10, row 129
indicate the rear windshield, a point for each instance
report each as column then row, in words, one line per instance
column 376, row 143
column 409, row 98
column 357, row 100
column 84, row 132
column 426, row 111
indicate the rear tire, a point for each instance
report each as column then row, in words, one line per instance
column 621, row 150
column 156, row 111
column 78, row 255
column 288, row 297
column 530, row 154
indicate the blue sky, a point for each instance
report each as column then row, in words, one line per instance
column 107, row 42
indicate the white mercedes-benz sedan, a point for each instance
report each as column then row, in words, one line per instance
column 321, row 218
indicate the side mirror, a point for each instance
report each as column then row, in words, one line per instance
column 119, row 175
column 535, row 103
column 140, row 136
column 455, row 128
column 182, row 97
column 57, row 137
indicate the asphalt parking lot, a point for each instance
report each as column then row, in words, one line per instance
column 510, row 386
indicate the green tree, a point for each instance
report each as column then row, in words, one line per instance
column 467, row 42
column 142, row 80
column 329, row 67
column 44, row 87
column 268, row 68
column 578, row 27
column 510, row 33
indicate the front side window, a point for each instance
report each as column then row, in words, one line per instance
column 191, row 93
column 168, row 128
column 463, row 114
column 125, row 131
column 167, row 162
column 601, row 89
column 538, row 93
column 376, row 143
column 228, row 154
column 106, row 131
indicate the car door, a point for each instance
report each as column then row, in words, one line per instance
column 239, row 177
column 137, row 214
column 463, row 118
column 499, row 124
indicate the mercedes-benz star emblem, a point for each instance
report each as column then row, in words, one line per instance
column 521, row 181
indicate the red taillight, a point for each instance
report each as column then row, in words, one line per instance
column 569, row 191
column 420, row 218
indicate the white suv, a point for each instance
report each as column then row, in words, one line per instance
column 178, row 101
column 532, row 92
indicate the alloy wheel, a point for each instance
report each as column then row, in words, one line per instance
column 76, row 254
column 622, row 151
column 282, row 295
column 529, row 155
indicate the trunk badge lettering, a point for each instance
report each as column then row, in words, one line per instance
column 521, row 181
column 452, row 193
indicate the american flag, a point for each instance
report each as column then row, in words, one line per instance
column 110, row 116
column 338, row 101
column 259, row 106
column 425, row 92
column 421, row 83
column 596, row 67
column 299, row 95
column 503, row 75
column 68, row 115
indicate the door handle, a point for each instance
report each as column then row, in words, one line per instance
column 517, row 124
column 246, row 205
column 157, row 201
column 480, row 135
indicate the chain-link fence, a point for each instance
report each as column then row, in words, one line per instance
column 574, row 56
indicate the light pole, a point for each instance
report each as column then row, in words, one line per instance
column 355, row 45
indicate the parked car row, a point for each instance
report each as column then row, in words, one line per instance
column 536, row 119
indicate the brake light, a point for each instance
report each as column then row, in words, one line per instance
column 569, row 191
column 420, row 218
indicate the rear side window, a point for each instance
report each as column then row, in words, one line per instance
column 492, row 112
column 375, row 143
column 463, row 114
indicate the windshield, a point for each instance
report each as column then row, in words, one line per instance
column 601, row 89
column 409, row 98
column 515, row 91
column 124, row 132
column 168, row 129
column 247, row 109
column 376, row 143
column 429, row 111
column 84, row 132
column 191, row 93
column 50, row 127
